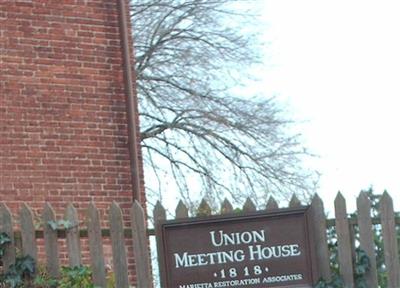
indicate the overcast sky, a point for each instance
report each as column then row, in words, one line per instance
column 335, row 64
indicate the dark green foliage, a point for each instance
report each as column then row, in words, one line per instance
column 22, row 272
column 362, row 262
column 238, row 210
column 336, row 282
column 23, row 269
column 361, row 267
column 18, row 273
column 332, row 246
column 4, row 240
column 76, row 277
column 45, row 281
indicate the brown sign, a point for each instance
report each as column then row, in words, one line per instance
column 253, row 251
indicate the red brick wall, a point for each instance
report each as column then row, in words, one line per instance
column 63, row 127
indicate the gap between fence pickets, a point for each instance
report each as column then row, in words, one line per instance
column 344, row 227
column 118, row 234
column 367, row 237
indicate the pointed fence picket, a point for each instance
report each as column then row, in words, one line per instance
column 73, row 241
column 28, row 232
column 390, row 246
column 226, row 207
column 204, row 209
column 96, row 246
column 140, row 242
column 271, row 204
column 50, row 241
column 344, row 242
column 294, row 202
column 320, row 238
column 249, row 206
column 118, row 247
column 181, row 211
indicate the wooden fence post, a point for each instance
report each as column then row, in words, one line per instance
column 249, row 206
column 50, row 241
column 204, row 209
column 72, row 234
column 226, row 207
column 390, row 241
column 294, row 202
column 118, row 246
column 96, row 246
column 344, row 245
column 181, row 211
column 28, row 232
column 271, row 204
column 141, row 246
column 319, row 227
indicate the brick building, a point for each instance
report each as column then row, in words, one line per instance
column 63, row 106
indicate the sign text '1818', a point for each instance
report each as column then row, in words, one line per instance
column 256, row 270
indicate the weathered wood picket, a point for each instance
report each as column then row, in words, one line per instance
column 345, row 231
column 73, row 234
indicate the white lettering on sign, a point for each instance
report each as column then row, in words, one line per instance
column 191, row 260
column 197, row 285
column 235, row 283
column 283, row 278
column 254, row 252
column 224, row 239
column 258, row 252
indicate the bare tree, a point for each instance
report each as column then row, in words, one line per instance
column 189, row 57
